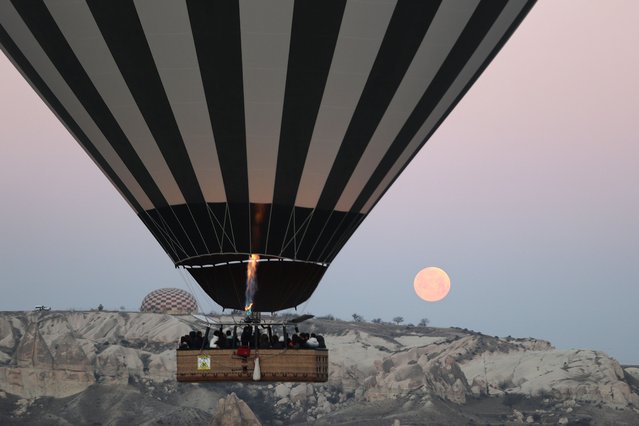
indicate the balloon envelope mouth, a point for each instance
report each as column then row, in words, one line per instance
column 225, row 259
column 282, row 283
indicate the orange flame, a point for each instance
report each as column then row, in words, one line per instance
column 251, row 283
column 251, row 268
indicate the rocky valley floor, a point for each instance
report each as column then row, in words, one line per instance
column 116, row 368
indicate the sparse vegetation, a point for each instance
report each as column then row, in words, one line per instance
column 358, row 318
column 376, row 320
column 100, row 307
column 398, row 320
column 424, row 322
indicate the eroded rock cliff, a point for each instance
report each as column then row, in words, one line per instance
column 46, row 357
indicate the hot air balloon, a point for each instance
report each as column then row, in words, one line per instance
column 253, row 127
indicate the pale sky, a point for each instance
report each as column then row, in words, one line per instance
column 526, row 195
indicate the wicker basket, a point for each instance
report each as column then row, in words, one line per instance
column 276, row 365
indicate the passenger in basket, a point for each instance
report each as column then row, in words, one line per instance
column 199, row 340
column 221, row 340
column 184, row 342
column 206, row 344
column 320, row 340
column 192, row 338
column 215, row 343
column 312, row 342
column 275, row 342
column 296, row 341
column 247, row 336
column 305, row 337
column 264, row 342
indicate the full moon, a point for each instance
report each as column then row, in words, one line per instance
column 432, row 284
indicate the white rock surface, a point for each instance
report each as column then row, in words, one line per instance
column 583, row 375
column 298, row 393
column 7, row 339
column 282, row 390
column 232, row 411
column 60, row 354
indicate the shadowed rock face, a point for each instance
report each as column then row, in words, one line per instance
column 51, row 361
column 45, row 360
column 33, row 351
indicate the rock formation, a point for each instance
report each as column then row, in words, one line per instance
column 232, row 411
column 66, row 359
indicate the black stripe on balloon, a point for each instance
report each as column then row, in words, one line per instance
column 41, row 24
column 476, row 29
column 179, row 223
column 218, row 213
column 314, row 34
column 299, row 223
column 277, row 227
column 240, row 215
column 311, row 236
column 358, row 217
column 260, row 214
column 54, row 104
column 516, row 22
column 216, row 33
column 404, row 35
column 122, row 30
column 326, row 234
column 341, row 236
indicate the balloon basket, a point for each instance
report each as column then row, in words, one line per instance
column 276, row 365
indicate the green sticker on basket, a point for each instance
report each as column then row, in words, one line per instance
column 203, row 362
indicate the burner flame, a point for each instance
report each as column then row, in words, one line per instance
column 251, row 284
